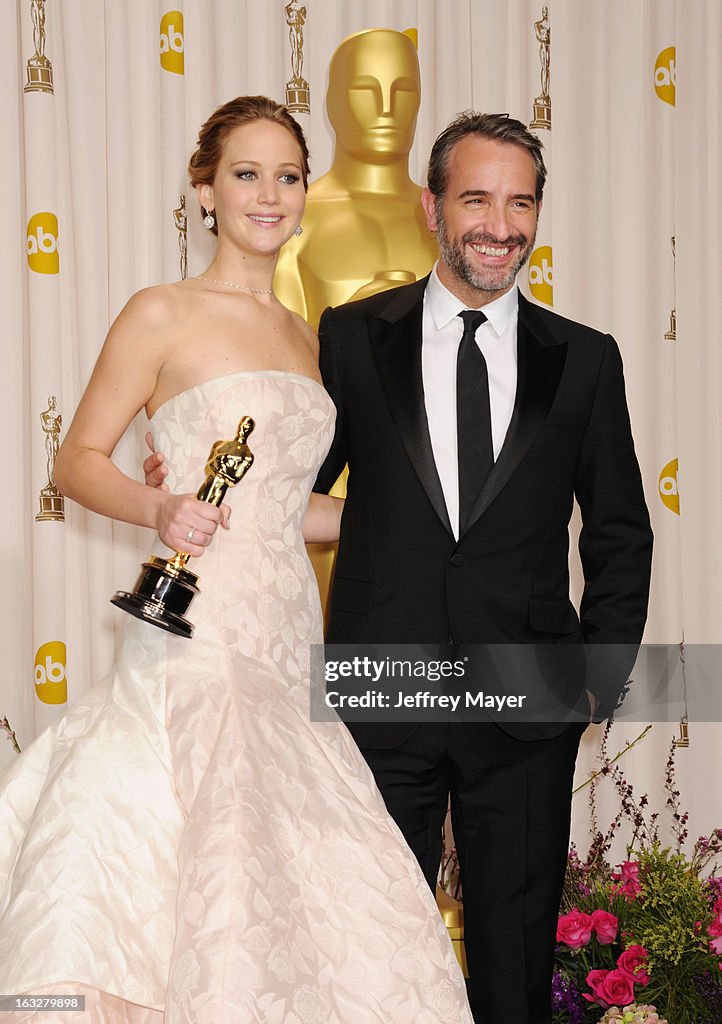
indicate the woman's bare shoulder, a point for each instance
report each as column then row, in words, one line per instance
column 161, row 303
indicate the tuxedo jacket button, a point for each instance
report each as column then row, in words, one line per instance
column 457, row 558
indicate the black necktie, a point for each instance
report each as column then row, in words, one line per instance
column 473, row 416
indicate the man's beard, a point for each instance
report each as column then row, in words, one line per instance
column 482, row 279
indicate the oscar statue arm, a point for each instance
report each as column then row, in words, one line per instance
column 330, row 372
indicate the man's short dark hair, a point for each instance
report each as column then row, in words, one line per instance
column 500, row 128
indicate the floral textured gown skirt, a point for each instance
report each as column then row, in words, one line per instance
column 185, row 846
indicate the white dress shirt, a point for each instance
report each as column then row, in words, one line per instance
column 441, row 336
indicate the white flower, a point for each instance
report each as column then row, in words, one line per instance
column 288, row 583
column 270, row 515
column 406, row 897
column 303, row 453
column 136, row 991
column 443, row 999
column 279, row 892
column 279, row 964
column 308, row 1004
column 161, row 932
column 185, row 974
column 272, row 613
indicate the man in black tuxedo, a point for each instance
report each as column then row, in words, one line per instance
column 470, row 419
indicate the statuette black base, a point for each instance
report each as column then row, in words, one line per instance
column 162, row 595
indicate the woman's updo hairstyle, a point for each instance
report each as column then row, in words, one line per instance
column 204, row 162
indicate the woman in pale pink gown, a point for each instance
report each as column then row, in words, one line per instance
column 186, row 845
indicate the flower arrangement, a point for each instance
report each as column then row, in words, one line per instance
column 640, row 941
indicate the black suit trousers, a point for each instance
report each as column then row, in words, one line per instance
column 510, row 806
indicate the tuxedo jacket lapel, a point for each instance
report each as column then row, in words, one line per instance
column 540, row 361
column 395, row 334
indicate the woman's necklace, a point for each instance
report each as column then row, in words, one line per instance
column 240, row 287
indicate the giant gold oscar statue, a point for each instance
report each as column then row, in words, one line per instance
column 363, row 229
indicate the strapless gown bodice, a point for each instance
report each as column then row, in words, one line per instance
column 258, row 592
column 186, row 846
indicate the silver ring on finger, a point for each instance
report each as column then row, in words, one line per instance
column 189, row 535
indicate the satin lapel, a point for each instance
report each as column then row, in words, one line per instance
column 395, row 336
column 540, row 361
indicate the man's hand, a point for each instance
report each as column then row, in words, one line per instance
column 153, row 467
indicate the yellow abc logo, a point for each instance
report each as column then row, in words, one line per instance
column 51, row 684
column 541, row 277
column 668, row 490
column 43, row 255
column 665, row 75
column 172, row 42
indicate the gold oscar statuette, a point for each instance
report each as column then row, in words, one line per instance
column 39, row 69
column 180, row 219
column 298, row 93
column 366, row 206
column 52, row 503
column 671, row 334
column 165, row 588
column 543, row 103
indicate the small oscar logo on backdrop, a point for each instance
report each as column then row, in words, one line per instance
column 52, row 503
column 671, row 334
column 668, row 490
column 180, row 219
column 39, row 69
column 51, row 683
column 172, row 42
column 665, row 76
column 543, row 104
column 541, row 275
column 298, row 93
column 43, row 255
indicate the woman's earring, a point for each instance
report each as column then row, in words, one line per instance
column 209, row 220
column 299, row 231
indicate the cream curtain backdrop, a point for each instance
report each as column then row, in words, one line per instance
column 633, row 161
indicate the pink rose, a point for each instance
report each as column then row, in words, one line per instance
column 574, row 929
column 605, row 925
column 716, row 945
column 594, row 979
column 628, row 875
column 715, row 928
column 610, row 988
column 629, row 871
column 633, row 961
